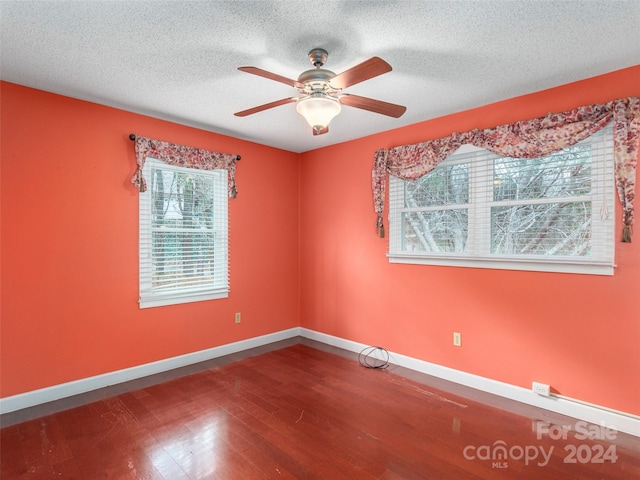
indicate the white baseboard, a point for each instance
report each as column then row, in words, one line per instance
column 619, row 421
column 64, row 390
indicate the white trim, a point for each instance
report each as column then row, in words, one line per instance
column 174, row 298
column 621, row 421
column 56, row 392
column 528, row 264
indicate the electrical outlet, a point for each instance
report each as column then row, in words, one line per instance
column 238, row 317
column 541, row 389
column 457, row 339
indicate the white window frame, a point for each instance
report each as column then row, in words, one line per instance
column 150, row 297
column 602, row 196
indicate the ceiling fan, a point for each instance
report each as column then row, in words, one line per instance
column 321, row 95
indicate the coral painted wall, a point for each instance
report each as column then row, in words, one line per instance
column 303, row 252
column 578, row 333
column 70, row 244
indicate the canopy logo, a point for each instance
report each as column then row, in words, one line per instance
column 500, row 454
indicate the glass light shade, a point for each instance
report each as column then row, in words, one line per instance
column 318, row 110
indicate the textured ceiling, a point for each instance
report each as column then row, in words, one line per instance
column 178, row 60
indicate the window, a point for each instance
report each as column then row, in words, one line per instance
column 478, row 209
column 183, row 235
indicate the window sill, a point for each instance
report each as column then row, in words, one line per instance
column 149, row 301
column 523, row 264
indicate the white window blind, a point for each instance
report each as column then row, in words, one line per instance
column 183, row 235
column 479, row 209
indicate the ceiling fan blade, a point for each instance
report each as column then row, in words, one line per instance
column 321, row 131
column 266, row 106
column 364, row 71
column 271, row 76
column 376, row 106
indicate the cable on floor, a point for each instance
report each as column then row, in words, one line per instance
column 367, row 360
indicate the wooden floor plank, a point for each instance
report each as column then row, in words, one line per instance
column 301, row 412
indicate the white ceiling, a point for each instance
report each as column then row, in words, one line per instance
column 177, row 60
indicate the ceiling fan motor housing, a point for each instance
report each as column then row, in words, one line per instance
column 316, row 79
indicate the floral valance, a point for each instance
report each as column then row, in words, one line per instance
column 182, row 156
column 525, row 139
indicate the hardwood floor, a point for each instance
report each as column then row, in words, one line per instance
column 304, row 411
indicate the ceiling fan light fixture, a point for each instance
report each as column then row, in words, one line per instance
column 322, row 94
column 318, row 110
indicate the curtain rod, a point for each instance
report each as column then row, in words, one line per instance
column 132, row 137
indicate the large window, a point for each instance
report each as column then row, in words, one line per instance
column 479, row 209
column 183, row 235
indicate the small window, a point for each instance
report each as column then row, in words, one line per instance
column 183, row 235
column 478, row 209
